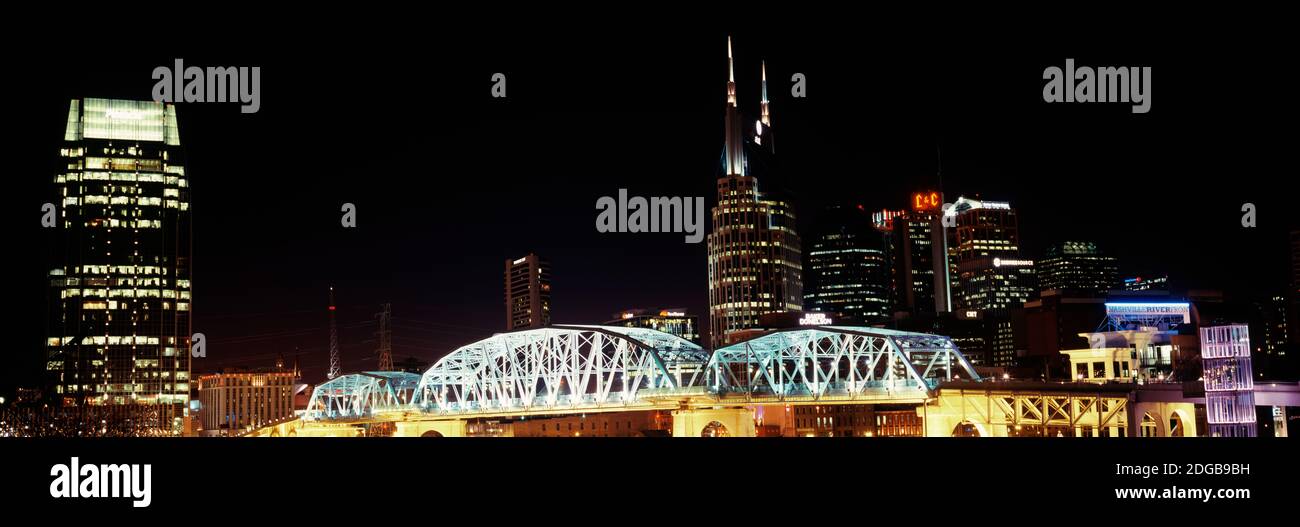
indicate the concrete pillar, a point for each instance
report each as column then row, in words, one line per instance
column 451, row 428
column 737, row 422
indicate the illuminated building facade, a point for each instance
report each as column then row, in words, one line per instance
column 986, row 247
column 233, row 400
column 120, row 290
column 528, row 293
column 1229, row 384
column 991, row 277
column 755, row 263
column 673, row 321
column 921, row 263
column 1153, row 332
column 847, row 267
column 883, row 222
column 852, row 420
column 1272, row 315
column 1077, row 267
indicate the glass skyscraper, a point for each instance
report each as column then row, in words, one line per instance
column 1078, row 267
column 118, row 335
column 755, row 263
column 847, row 267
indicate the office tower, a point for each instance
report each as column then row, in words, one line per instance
column 1077, row 267
column 846, row 267
column 1229, row 386
column 755, row 264
column 991, row 277
column 120, row 290
column 1270, row 321
column 921, row 264
column 986, row 247
column 528, row 293
column 883, row 222
column 674, row 321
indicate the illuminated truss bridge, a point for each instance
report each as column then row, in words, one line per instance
column 569, row 369
column 817, row 363
column 589, row 375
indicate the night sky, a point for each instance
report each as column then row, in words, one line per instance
column 449, row 182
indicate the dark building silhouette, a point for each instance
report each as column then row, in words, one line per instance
column 846, row 267
column 1077, row 267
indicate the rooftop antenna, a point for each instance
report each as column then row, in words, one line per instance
column 334, row 340
column 385, row 338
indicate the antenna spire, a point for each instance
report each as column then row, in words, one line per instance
column 731, row 75
column 766, row 118
column 334, row 340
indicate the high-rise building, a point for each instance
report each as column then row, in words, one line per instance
column 883, row 222
column 755, row 264
column 120, row 290
column 528, row 293
column 986, row 248
column 921, row 263
column 847, row 267
column 674, row 321
column 1077, row 267
column 991, row 276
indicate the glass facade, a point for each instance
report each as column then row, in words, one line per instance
column 755, row 259
column 671, row 321
column 1078, row 267
column 847, row 268
column 119, row 283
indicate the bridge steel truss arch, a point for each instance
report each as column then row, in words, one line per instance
column 361, row 395
column 557, row 367
column 821, row 361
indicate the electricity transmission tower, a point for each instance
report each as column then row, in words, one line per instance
column 385, row 338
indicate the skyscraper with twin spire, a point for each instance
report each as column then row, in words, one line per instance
column 754, row 253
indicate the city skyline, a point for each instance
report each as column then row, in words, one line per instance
column 557, row 260
column 290, row 225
